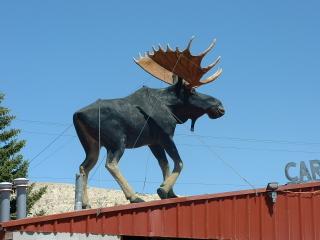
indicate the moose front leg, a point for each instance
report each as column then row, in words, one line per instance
column 160, row 155
column 167, row 185
column 112, row 166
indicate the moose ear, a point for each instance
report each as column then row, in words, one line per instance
column 178, row 81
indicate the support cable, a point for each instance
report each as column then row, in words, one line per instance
column 208, row 147
column 52, row 142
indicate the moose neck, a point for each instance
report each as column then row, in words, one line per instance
column 179, row 107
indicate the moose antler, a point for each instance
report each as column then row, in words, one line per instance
column 163, row 64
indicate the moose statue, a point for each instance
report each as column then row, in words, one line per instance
column 148, row 117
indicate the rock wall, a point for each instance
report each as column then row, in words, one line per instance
column 59, row 198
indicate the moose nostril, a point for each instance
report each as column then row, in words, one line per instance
column 221, row 110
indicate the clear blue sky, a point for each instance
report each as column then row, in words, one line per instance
column 58, row 56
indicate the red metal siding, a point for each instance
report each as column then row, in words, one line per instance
column 235, row 215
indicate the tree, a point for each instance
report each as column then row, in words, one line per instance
column 12, row 163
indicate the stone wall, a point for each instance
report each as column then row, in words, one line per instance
column 59, row 198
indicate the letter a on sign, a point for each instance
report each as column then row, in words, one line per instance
column 304, row 172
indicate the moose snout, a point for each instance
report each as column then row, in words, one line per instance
column 216, row 112
column 221, row 110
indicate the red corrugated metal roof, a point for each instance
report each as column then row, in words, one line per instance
column 235, row 215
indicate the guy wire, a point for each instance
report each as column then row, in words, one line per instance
column 208, row 147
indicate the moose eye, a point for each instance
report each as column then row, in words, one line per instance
column 193, row 91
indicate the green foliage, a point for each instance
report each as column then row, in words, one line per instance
column 12, row 163
column 34, row 196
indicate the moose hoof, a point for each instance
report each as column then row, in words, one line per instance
column 171, row 194
column 136, row 200
column 162, row 193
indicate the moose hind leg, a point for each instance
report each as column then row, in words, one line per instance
column 160, row 155
column 92, row 155
column 91, row 148
column 112, row 166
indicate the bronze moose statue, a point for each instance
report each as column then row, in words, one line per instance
column 148, row 117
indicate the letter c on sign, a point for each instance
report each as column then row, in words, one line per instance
column 290, row 178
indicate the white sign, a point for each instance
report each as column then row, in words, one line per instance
column 303, row 172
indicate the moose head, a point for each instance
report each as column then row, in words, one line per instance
column 184, row 70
